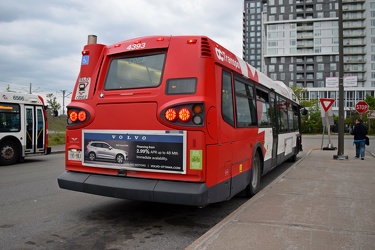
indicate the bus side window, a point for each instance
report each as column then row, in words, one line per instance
column 282, row 114
column 227, row 99
column 263, row 108
column 295, row 117
column 245, row 105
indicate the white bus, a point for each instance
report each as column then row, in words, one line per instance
column 23, row 127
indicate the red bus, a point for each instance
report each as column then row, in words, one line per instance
column 23, row 127
column 175, row 119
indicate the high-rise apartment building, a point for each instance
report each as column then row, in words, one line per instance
column 297, row 42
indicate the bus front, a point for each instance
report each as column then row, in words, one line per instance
column 137, row 120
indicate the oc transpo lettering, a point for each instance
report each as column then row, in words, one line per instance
column 223, row 57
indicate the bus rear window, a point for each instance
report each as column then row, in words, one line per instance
column 181, row 86
column 135, row 72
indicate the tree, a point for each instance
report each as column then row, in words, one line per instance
column 298, row 91
column 53, row 105
column 371, row 102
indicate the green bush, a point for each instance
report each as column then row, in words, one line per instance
column 56, row 138
column 56, row 129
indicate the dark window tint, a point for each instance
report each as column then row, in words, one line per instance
column 9, row 117
column 226, row 98
column 181, row 86
column 135, row 72
column 245, row 105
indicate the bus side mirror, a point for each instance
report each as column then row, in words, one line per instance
column 304, row 111
column 55, row 113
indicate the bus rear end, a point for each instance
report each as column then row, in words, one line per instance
column 137, row 120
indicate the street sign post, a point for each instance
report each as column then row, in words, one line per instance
column 326, row 103
column 361, row 107
column 327, row 114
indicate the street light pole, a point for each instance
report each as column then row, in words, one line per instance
column 340, row 152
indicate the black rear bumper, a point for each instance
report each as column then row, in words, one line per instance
column 175, row 192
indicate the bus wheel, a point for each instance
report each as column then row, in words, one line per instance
column 92, row 156
column 120, row 158
column 9, row 153
column 255, row 174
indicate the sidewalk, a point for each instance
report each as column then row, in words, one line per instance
column 318, row 203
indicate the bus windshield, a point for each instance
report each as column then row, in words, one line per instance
column 135, row 72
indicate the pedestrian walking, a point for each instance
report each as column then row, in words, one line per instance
column 359, row 132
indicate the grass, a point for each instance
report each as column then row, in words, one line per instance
column 56, row 129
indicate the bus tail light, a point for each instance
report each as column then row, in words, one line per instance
column 77, row 116
column 184, row 114
column 191, row 114
column 170, row 114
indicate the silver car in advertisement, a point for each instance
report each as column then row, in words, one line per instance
column 96, row 150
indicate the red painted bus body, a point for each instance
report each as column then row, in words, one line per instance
column 175, row 119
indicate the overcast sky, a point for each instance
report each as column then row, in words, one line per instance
column 41, row 40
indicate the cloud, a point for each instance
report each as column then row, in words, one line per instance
column 41, row 41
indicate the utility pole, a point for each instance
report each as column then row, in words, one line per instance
column 340, row 152
column 64, row 91
column 30, row 91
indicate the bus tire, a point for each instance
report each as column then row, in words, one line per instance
column 255, row 175
column 120, row 158
column 92, row 156
column 9, row 153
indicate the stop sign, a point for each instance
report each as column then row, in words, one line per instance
column 361, row 107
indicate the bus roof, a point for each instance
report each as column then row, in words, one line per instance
column 21, row 98
column 209, row 48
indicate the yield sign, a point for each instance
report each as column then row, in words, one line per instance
column 326, row 103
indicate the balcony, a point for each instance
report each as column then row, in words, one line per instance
column 352, row 8
column 305, row 28
column 353, row 16
column 352, row 52
column 349, row 70
column 353, row 25
column 305, row 36
column 354, row 44
column 355, row 33
column 355, row 61
column 353, row 1
column 305, row 45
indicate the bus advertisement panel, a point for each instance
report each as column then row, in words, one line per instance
column 154, row 151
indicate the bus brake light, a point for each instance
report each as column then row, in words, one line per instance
column 85, row 52
column 170, row 115
column 82, row 116
column 73, row 116
column 184, row 114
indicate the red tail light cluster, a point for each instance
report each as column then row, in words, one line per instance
column 186, row 115
column 77, row 116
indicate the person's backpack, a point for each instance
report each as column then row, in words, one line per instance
column 367, row 141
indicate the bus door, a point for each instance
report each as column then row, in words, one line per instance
column 34, row 127
column 275, row 132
